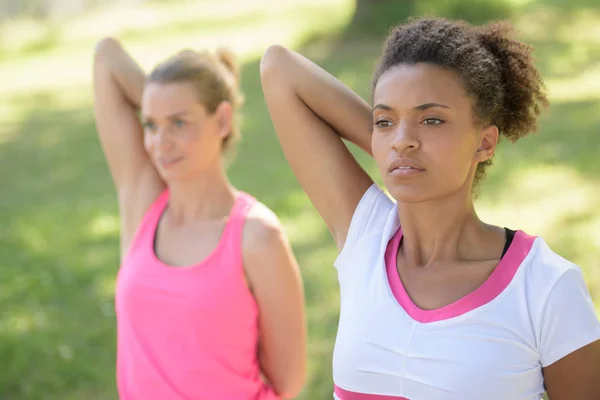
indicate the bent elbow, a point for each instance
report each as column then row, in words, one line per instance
column 291, row 389
column 105, row 48
column 271, row 60
column 290, row 386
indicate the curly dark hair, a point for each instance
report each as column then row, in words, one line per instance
column 496, row 70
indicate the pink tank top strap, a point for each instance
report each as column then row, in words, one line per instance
column 233, row 232
column 243, row 203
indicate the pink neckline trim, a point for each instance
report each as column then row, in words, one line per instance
column 161, row 204
column 347, row 395
column 489, row 290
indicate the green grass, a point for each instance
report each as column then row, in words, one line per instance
column 58, row 215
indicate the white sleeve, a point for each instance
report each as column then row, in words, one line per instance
column 371, row 213
column 569, row 320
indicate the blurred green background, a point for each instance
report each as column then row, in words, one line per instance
column 58, row 216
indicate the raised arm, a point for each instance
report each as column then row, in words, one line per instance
column 311, row 112
column 118, row 87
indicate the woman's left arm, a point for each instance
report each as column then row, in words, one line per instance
column 569, row 339
column 274, row 278
column 576, row 376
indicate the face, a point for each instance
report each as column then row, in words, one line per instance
column 181, row 137
column 425, row 140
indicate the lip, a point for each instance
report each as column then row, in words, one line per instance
column 169, row 162
column 404, row 167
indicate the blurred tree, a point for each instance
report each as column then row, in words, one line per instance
column 366, row 5
column 376, row 17
column 373, row 17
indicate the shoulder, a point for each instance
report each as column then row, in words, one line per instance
column 372, row 211
column 267, row 254
column 375, row 211
column 546, row 275
column 561, row 307
column 262, row 230
column 555, row 287
column 546, row 267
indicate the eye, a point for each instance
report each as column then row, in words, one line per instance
column 383, row 123
column 179, row 123
column 432, row 121
column 149, row 125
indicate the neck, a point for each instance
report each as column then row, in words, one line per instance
column 444, row 230
column 208, row 196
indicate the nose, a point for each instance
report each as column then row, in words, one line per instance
column 404, row 138
column 160, row 139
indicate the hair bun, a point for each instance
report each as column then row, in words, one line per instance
column 227, row 58
column 523, row 94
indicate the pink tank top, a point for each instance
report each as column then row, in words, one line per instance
column 188, row 333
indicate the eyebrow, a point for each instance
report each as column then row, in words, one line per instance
column 420, row 107
column 177, row 114
column 430, row 105
column 382, row 107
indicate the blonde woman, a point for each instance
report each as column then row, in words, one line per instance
column 209, row 300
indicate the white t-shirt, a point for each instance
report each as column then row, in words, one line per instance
column 492, row 344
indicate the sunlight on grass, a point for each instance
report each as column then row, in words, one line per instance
column 580, row 26
column 152, row 18
column 106, row 288
column 16, row 107
column 32, row 237
column 18, row 34
column 300, row 219
column 585, row 86
column 570, row 51
column 521, row 3
column 302, row 223
column 21, row 323
column 60, row 229
column 69, row 64
column 103, row 225
column 9, row 131
column 540, row 203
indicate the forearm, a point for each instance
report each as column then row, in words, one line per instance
column 332, row 101
column 123, row 70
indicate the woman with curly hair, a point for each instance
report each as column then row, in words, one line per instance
column 209, row 300
column 436, row 304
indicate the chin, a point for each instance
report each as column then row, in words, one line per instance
column 412, row 194
column 171, row 176
column 409, row 197
column 181, row 175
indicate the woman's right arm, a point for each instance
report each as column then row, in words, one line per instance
column 118, row 87
column 311, row 112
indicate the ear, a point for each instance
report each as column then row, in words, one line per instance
column 224, row 115
column 487, row 145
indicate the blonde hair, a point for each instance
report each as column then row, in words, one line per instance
column 214, row 75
